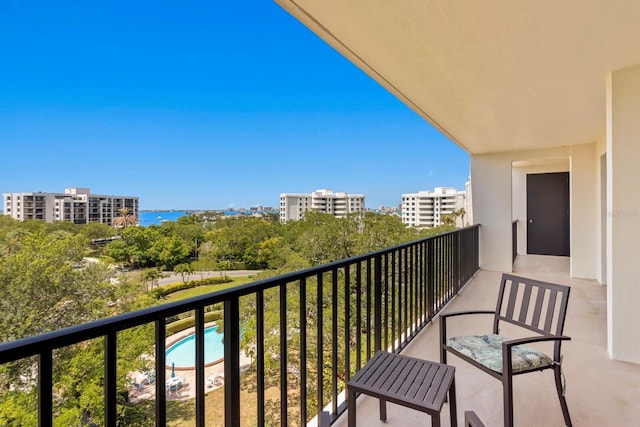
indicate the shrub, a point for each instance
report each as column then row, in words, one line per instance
column 183, row 324
column 162, row 291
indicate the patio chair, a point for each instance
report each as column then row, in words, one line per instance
column 532, row 305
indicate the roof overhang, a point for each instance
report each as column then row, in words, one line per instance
column 491, row 75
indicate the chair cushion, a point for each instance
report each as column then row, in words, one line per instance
column 487, row 350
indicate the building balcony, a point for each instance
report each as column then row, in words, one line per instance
column 599, row 391
column 388, row 299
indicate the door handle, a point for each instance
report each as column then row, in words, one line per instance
column 530, row 221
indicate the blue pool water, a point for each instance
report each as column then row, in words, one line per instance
column 183, row 353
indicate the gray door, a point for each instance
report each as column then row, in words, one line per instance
column 548, row 214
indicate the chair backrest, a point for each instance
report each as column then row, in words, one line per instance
column 538, row 306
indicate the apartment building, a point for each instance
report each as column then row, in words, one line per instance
column 294, row 205
column 426, row 208
column 76, row 204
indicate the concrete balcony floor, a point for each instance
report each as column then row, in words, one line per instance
column 599, row 391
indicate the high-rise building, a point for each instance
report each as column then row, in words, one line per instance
column 293, row 205
column 426, row 208
column 75, row 204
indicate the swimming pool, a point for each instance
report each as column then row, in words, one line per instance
column 183, row 352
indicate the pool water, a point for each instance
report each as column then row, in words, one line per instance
column 183, row 353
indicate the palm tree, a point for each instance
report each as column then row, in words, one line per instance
column 125, row 219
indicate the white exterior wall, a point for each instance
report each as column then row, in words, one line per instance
column 601, row 209
column 491, row 182
column 500, row 197
column 293, row 206
column 623, row 214
column 425, row 208
column 584, row 214
column 53, row 206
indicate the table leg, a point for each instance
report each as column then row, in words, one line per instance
column 435, row 420
column 383, row 410
column 351, row 408
column 453, row 410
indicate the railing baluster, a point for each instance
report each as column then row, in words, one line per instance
column 284, row 408
column 232, row 362
column 347, row 323
column 431, row 291
column 200, row 408
column 334, row 340
column 260, row 356
column 45, row 388
column 161, row 374
column 384, row 286
column 110, row 376
column 377, row 303
column 303, row 351
column 320, row 345
column 394, row 285
column 412, row 297
column 358, row 316
column 420, row 281
column 369, row 308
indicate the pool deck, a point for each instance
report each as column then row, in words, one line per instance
column 148, row 391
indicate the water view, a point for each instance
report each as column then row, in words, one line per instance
column 148, row 218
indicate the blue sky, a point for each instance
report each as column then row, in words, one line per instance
column 196, row 105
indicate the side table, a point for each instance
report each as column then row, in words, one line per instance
column 415, row 383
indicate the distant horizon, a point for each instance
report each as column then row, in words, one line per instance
column 216, row 104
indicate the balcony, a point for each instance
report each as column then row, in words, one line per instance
column 392, row 297
column 347, row 309
column 599, row 391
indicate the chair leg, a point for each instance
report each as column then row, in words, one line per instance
column 443, row 337
column 563, row 402
column 507, row 392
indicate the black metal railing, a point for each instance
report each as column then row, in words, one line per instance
column 307, row 332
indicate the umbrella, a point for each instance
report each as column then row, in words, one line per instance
column 173, row 367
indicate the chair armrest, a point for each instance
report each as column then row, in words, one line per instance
column 506, row 348
column 443, row 321
column 528, row 340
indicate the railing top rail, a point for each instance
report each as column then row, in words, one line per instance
column 33, row 345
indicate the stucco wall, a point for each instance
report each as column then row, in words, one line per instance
column 499, row 187
column 623, row 213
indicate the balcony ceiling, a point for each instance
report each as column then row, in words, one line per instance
column 492, row 75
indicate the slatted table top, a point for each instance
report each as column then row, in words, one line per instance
column 416, row 383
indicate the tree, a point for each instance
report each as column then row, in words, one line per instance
column 169, row 252
column 125, row 219
column 450, row 220
column 43, row 290
column 321, row 237
column 183, row 269
column 134, row 247
column 97, row 230
column 152, row 275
